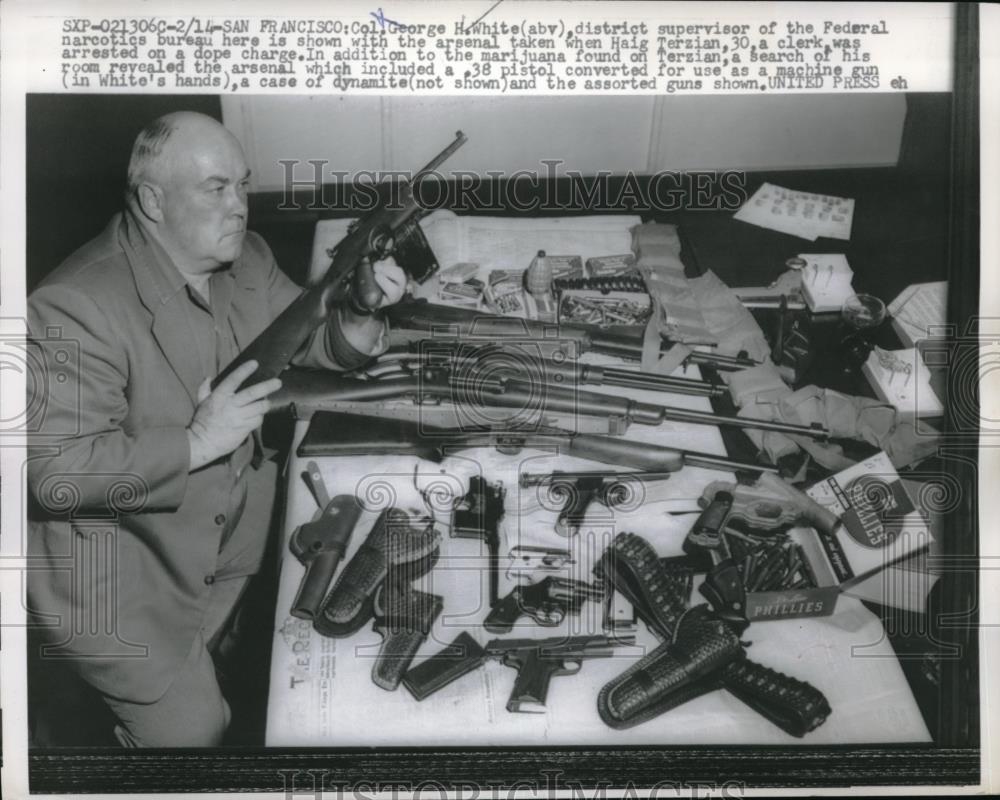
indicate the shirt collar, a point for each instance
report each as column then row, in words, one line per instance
column 168, row 278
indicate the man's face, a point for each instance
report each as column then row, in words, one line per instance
column 205, row 201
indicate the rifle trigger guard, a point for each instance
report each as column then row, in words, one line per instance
column 380, row 244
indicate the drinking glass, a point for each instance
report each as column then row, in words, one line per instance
column 861, row 315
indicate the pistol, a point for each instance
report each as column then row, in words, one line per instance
column 771, row 502
column 546, row 602
column 536, row 661
column 723, row 586
column 477, row 515
column 577, row 490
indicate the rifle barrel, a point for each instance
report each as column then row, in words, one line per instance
column 560, row 398
column 710, row 418
column 440, row 158
column 708, row 461
column 627, row 379
column 528, row 479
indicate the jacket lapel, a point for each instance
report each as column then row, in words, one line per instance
column 165, row 298
column 249, row 304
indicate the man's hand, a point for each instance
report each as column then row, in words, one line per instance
column 225, row 417
column 391, row 280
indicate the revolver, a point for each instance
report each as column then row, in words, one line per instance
column 546, row 602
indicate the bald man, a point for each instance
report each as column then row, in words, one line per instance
column 147, row 512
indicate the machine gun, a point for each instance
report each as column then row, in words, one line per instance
column 389, row 229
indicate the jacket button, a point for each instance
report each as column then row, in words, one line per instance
column 220, row 519
column 209, row 580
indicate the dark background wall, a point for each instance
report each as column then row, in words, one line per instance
column 78, row 148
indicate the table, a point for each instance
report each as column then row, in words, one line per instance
column 321, row 693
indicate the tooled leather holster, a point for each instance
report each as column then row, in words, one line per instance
column 397, row 545
column 700, row 652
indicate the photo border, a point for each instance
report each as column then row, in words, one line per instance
column 954, row 760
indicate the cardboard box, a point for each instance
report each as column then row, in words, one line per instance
column 881, row 523
column 826, row 281
column 817, row 601
column 606, row 309
column 901, row 379
column 880, row 527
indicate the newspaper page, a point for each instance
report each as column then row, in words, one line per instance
column 143, row 531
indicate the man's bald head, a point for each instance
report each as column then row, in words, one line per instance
column 187, row 183
column 162, row 138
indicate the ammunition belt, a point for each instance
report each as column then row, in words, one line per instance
column 660, row 593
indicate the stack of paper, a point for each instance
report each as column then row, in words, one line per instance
column 803, row 214
column 919, row 311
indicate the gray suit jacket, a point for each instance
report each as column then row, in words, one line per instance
column 124, row 544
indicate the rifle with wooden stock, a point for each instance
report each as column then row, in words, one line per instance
column 336, row 434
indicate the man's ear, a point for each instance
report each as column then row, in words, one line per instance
column 149, row 198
